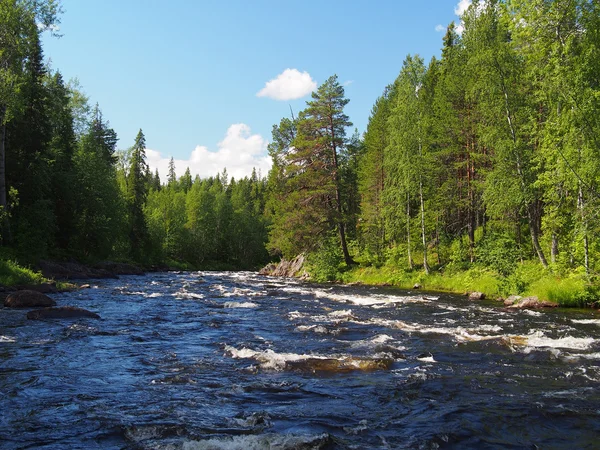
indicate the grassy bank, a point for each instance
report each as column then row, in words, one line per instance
column 572, row 289
column 13, row 274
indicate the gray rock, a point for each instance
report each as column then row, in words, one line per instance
column 532, row 303
column 476, row 296
column 511, row 300
column 27, row 299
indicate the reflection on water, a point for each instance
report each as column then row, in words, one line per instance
column 237, row 361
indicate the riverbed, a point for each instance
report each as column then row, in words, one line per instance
column 234, row 360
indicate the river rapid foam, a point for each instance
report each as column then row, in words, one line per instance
column 234, row 360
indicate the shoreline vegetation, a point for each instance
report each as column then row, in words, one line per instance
column 478, row 171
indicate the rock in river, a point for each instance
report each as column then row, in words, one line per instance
column 532, row 303
column 64, row 312
column 27, row 299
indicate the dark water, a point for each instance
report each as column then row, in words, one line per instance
column 238, row 361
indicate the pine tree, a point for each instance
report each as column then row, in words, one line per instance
column 137, row 193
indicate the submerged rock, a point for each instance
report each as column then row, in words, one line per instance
column 532, row 303
column 339, row 365
column 64, row 312
column 27, row 299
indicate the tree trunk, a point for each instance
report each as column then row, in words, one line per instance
column 554, row 249
column 425, row 264
column 410, row 260
column 338, row 199
column 5, row 225
column 533, row 230
column 586, row 255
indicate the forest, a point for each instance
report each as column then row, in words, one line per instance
column 478, row 170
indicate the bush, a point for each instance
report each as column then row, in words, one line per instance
column 498, row 252
column 11, row 274
column 324, row 264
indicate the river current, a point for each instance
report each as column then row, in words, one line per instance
column 224, row 360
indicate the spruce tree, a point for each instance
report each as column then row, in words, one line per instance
column 137, row 192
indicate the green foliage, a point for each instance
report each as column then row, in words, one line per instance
column 325, row 263
column 498, row 252
column 12, row 274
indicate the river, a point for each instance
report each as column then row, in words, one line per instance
column 226, row 360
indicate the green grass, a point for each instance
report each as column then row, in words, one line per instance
column 12, row 274
column 571, row 289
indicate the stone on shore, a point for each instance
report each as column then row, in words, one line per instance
column 63, row 312
column 532, row 303
column 511, row 300
column 27, row 299
column 476, row 296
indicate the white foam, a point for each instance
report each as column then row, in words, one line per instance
column 427, row 359
column 7, row 339
column 153, row 295
column 586, row 321
column 342, row 314
column 185, row 295
column 538, row 339
column 259, row 442
column 269, row 359
column 240, row 305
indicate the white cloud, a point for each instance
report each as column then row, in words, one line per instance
column 289, row 85
column 461, row 7
column 440, row 28
column 240, row 151
column 348, row 82
column 459, row 10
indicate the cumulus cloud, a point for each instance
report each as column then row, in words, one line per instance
column 291, row 84
column 459, row 10
column 461, row 7
column 440, row 28
column 240, row 151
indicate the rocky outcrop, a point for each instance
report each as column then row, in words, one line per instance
column 119, row 268
column 287, row 269
column 268, row 269
column 75, row 271
column 532, row 303
column 64, row 312
column 27, row 299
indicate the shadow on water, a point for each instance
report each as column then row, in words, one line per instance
column 237, row 361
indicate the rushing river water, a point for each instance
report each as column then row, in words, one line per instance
column 217, row 360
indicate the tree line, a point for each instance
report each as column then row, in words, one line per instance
column 487, row 156
column 67, row 192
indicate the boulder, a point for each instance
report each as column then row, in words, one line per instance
column 532, row 303
column 476, row 296
column 417, row 286
column 268, row 269
column 511, row 300
column 63, row 312
column 27, row 299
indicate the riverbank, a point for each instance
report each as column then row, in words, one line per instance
column 572, row 289
column 529, row 279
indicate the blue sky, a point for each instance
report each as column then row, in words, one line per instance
column 189, row 72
